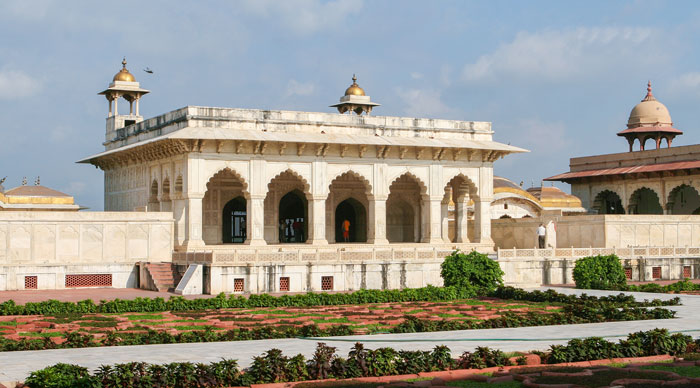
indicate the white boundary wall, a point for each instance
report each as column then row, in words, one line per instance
column 50, row 245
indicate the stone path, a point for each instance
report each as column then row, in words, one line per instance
column 15, row 366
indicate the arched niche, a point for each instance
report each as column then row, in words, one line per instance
column 683, row 199
column 404, row 209
column 645, row 201
column 608, row 202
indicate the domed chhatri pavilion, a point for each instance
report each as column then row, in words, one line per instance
column 646, row 181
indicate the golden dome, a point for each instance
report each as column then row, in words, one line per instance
column 354, row 89
column 124, row 74
column 649, row 112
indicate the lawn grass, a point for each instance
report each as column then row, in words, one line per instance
column 600, row 378
column 41, row 335
column 479, row 384
column 687, row 371
column 9, row 323
column 195, row 327
column 332, row 320
column 142, row 317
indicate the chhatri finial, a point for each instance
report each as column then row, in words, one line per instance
column 354, row 79
column 37, row 181
column 124, row 63
column 24, row 181
column 649, row 96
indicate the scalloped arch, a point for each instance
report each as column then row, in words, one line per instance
column 473, row 188
column 356, row 175
column 408, row 173
column 305, row 183
column 229, row 171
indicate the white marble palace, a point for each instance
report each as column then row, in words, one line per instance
column 257, row 177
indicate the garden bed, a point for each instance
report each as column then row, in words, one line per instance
column 514, row 308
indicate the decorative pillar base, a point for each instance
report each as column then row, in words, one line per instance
column 255, row 242
column 190, row 245
column 378, row 241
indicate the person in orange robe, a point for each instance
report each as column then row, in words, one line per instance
column 346, row 230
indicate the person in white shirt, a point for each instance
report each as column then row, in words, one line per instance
column 541, row 233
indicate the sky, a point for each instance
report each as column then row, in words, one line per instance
column 556, row 77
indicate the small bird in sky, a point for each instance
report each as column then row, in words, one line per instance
column 148, row 70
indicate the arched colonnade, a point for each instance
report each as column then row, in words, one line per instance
column 350, row 211
column 682, row 199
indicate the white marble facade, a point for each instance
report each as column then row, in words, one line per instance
column 394, row 177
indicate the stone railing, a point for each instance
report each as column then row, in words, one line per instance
column 227, row 254
column 624, row 253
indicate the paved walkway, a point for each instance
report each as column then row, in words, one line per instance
column 17, row 365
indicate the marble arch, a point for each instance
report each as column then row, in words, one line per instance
column 287, row 208
column 683, row 199
column 644, row 201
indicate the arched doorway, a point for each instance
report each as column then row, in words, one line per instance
column 403, row 209
column 400, row 221
column 234, row 219
column 353, row 212
column 286, row 206
column 683, row 199
column 608, row 202
column 222, row 189
column 645, row 201
column 460, row 194
column 348, row 199
column 293, row 226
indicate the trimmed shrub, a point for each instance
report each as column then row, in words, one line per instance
column 474, row 272
column 599, row 273
column 62, row 376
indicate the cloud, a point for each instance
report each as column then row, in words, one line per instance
column 555, row 54
column 75, row 188
column 15, row 85
column 537, row 135
column 688, row 82
column 305, row 17
column 296, row 88
column 422, row 102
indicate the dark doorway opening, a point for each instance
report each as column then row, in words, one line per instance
column 352, row 211
column 293, row 226
column 608, row 202
column 234, row 221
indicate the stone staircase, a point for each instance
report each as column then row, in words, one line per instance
column 164, row 276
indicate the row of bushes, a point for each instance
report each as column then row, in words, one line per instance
column 424, row 294
column 178, row 303
column 551, row 296
column 571, row 315
column 606, row 273
column 679, row 286
column 274, row 367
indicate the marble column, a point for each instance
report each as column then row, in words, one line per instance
column 256, row 220
column 482, row 221
column 193, row 220
column 180, row 224
column 461, row 220
column 317, row 210
column 433, row 219
column 377, row 221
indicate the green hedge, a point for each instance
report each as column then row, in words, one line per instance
column 599, row 273
column 274, row 367
column 473, row 271
column 178, row 303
